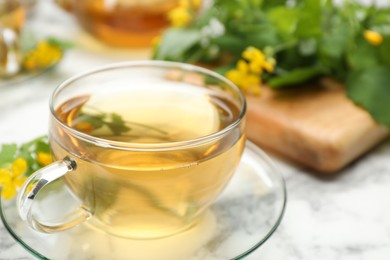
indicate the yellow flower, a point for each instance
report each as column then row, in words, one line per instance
column 19, row 167
column 242, row 66
column 42, row 56
column 183, row 14
column 194, row 4
column 251, row 81
column 253, row 54
column 180, row 16
column 236, row 77
column 256, row 67
column 373, row 37
column 248, row 72
column 12, row 177
column 244, row 78
column 257, row 60
column 44, row 158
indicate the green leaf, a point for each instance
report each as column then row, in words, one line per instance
column 31, row 161
column 384, row 51
column 7, row 153
column 42, row 146
column 370, row 89
column 309, row 23
column 205, row 18
column 117, row 125
column 285, row 19
column 362, row 55
column 261, row 35
column 95, row 120
column 296, row 76
column 29, row 151
column 230, row 42
column 334, row 43
column 175, row 43
column 224, row 69
column 62, row 44
column 381, row 17
column 269, row 4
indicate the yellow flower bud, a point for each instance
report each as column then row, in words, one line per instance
column 253, row 54
column 18, row 182
column 8, row 191
column 179, row 17
column 242, row 66
column 5, row 176
column 44, row 158
column 19, row 167
column 373, row 37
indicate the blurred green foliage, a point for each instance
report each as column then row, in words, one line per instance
column 308, row 38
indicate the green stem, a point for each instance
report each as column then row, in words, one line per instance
column 130, row 122
column 284, row 46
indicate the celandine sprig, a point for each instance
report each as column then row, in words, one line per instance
column 17, row 162
column 12, row 177
column 250, row 69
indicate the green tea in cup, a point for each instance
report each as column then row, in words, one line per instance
column 145, row 147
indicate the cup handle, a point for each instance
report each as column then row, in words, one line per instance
column 33, row 186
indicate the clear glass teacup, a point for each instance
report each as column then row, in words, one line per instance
column 145, row 147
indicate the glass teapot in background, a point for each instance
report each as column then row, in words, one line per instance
column 121, row 23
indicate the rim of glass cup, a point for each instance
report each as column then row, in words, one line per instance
column 149, row 146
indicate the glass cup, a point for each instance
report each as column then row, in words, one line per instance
column 145, row 147
column 122, row 23
column 12, row 16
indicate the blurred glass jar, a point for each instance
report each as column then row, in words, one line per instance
column 12, row 18
column 122, row 23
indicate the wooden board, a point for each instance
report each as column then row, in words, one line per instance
column 317, row 126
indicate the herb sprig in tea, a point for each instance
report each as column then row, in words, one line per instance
column 88, row 122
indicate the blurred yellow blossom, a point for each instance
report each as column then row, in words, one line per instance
column 257, row 60
column 373, row 37
column 244, row 78
column 183, row 14
column 190, row 4
column 42, row 56
column 179, row 17
column 44, row 158
column 12, row 177
column 248, row 72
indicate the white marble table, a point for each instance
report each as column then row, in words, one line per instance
column 344, row 216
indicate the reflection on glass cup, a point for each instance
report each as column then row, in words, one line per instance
column 12, row 16
column 145, row 147
column 122, row 23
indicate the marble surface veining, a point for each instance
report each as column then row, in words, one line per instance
column 341, row 217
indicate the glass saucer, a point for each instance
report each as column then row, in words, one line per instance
column 242, row 219
column 24, row 76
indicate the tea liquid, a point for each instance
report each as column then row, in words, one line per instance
column 124, row 23
column 147, row 194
